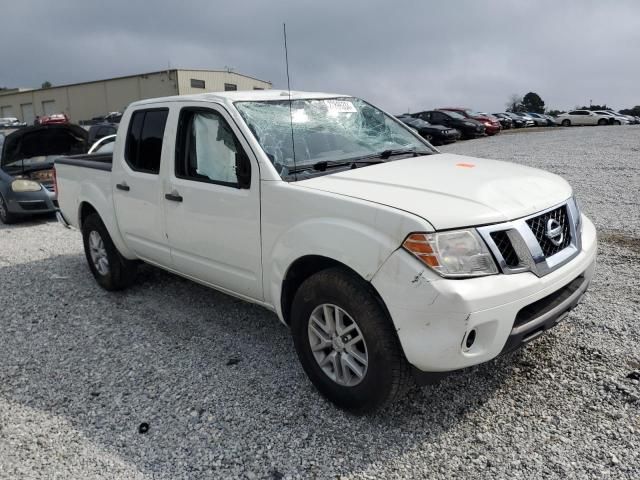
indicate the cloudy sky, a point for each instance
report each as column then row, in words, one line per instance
column 398, row 54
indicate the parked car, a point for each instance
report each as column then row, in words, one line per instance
column 523, row 120
column 11, row 122
column 538, row 119
column 55, row 119
column 434, row 134
column 582, row 117
column 387, row 259
column 113, row 117
column 517, row 122
column 104, row 145
column 467, row 127
column 529, row 121
column 491, row 123
column 614, row 118
column 26, row 168
column 506, row 122
column 493, row 117
column 96, row 132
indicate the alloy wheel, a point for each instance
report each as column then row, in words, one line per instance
column 98, row 253
column 338, row 345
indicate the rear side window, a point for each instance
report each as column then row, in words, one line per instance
column 144, row 140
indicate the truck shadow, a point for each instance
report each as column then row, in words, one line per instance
column 216, row 380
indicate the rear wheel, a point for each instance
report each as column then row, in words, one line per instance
column 346, row 342
column 111, row 270
column 5, row 215
column 617, row 122
column 566, row 123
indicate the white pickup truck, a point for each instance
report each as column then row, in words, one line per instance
column 388, row 260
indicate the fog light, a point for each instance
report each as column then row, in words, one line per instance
column 471, row 338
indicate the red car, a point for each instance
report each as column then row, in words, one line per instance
column 54, row 119
column 491, row 123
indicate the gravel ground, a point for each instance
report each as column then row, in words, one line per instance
column 218, row 383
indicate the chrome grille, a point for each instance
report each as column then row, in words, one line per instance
column 502, row 241
column 529, row 244
column 538, row 226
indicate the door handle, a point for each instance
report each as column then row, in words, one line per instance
column 123, row 186
column 174, row 197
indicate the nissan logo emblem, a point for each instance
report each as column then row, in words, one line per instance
column 554, row 232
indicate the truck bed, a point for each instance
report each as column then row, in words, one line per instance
column 98, row 161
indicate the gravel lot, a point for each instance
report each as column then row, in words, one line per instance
column 219, row 385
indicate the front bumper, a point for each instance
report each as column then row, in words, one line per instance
column 434, row 316
column 32, row 203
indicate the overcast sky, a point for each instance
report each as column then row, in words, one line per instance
column 398, row 54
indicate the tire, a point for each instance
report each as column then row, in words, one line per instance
column 384, row 375
column 617, row 122
column 110, row 269
column 566, row 123
column 602, row 121
column 6, row 216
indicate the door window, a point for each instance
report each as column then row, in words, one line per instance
column 207, row 150
column 144, row 140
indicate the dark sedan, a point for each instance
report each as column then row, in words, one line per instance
column 516, row 121
column 491, row 123
column 435, row 134
column 467, row 127
column 26, row 168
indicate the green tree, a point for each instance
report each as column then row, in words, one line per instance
column 635, row 111
column 533, row 103
column 47, row 84
column 594, row 107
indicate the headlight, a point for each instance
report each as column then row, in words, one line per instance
column 25, row 186
column 457, row 253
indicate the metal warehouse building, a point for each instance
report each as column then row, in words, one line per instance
column 83, row 101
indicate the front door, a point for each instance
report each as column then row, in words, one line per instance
column 212, row 202
column 137, row 188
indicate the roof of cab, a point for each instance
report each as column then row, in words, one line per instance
column 239, row 96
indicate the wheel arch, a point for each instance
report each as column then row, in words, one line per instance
column 87, row 207
column 308, row 265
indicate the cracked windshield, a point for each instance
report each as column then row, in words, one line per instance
column 326, row 132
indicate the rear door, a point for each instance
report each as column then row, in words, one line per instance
column 137, row 189
column 212, row 201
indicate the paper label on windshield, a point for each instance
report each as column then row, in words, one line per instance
column 340, row 106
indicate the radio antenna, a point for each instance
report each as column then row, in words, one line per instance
column 286, row 61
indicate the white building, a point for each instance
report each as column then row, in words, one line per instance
column 83, row 101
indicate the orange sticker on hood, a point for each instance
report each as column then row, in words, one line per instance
column 465, row 165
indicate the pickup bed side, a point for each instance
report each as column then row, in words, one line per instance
column 85, row 183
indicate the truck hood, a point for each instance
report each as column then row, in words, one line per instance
column 450, row 191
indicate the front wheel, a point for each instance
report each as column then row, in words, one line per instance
column 602, row 121
column 346, row 342
column 566, row 123
column 111, row 270
column 5, row 215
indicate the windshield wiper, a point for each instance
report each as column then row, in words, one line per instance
column 386, row 154
column 372, row 159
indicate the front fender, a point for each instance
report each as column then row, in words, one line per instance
column 362, row 248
